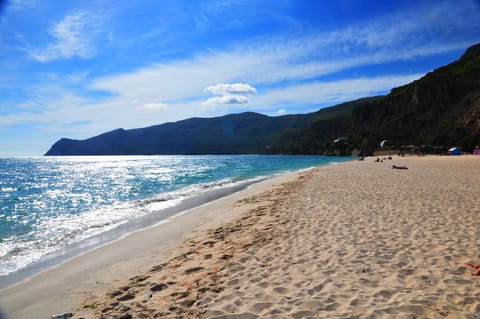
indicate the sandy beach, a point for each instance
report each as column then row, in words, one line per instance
column 350, row 240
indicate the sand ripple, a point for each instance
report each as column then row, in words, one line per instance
column 353, row 240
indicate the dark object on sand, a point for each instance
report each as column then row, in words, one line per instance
column 64, row 315
column 399, row 167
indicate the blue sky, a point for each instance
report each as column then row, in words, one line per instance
column 80, row 68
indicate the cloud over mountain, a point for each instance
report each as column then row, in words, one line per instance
column 233, row 88
column 230, row 93
column 227, row 99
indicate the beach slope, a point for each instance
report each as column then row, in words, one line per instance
column 351, row 240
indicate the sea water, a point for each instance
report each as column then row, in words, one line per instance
column 50, row 203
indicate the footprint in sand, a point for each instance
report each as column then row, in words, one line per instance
column 281, row 290
column 384, row 294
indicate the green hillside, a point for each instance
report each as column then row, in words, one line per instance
column 442, row 109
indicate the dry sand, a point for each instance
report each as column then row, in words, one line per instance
column 352, row 240
column 64, row 287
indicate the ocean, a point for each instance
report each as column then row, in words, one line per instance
column 55, row 207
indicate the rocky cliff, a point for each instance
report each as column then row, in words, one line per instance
column 441, row 109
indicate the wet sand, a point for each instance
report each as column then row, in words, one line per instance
column 351, row 240
column 63, row 287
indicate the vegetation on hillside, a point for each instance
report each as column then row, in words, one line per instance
column 440, row 110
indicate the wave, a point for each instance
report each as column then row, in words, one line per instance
column 49, row 205
column 58, row 232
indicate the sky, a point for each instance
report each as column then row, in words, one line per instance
column 77, row 69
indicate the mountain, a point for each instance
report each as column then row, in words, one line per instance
column 441, row 109
column 235, row 133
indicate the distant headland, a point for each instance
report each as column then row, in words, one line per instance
column 436, row 112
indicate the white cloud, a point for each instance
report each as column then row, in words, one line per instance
column 233, row 93
column 287, row 72
column 259, row 65
column 23, row 4
column 291, row 61
column 78, row 77
column 154, row 106
column 234, row 88
column 332, row 92
column 84, row 118
column 227, row 99
column 272, row 66
column 72, row 36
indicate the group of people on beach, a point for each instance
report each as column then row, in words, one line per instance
column 378, row 160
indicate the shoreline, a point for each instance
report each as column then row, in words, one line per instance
column 351, row 240
column 121, row 231
column 42, row 292
column 59, row 231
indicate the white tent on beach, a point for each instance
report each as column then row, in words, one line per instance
column 385, row 143
column 454, row 151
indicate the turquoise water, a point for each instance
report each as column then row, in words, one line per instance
column 48, row 203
